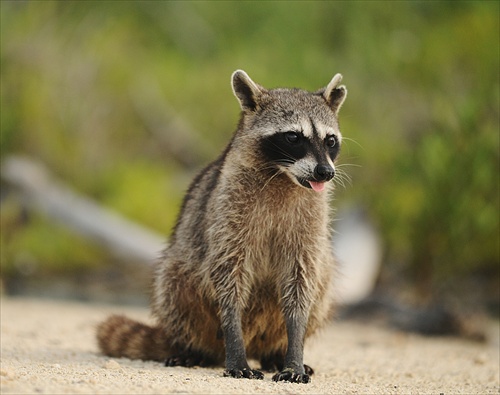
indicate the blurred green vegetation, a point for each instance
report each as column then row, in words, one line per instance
column 96, row 90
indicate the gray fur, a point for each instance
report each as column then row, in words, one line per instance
column 247, row 271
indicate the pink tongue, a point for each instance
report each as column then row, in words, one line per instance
column 317, row 186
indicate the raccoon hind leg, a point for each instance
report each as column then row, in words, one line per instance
column 272, row 362
column 190, row 358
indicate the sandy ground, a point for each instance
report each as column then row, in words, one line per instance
column 49, row 347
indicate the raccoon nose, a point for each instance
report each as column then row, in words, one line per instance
column 323, row 173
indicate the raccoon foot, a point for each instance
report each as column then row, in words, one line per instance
column 275, row 363
column 244, row 373
column 272, row 363
column 309, row 371
column 188, row 359
column 292, row 376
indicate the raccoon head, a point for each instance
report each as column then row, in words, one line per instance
column 294, row 131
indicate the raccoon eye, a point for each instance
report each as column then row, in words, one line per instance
column 292, row 137
column 331, row 141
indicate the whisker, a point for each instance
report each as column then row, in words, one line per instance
column 347, row 164
column 280, row 150
column 270, row 179
column 354, row 141
column 342, row 178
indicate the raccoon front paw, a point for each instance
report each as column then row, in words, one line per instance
column 244, row 373
column 292, row 376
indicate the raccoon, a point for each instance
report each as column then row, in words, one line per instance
column 247, row 271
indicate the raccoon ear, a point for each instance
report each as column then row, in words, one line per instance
column 246, row 91
column 335, row 94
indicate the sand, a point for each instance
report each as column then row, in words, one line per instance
column 49, row 347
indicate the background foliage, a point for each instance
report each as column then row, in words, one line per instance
column 125, row 100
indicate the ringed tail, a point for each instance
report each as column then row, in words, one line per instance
column 119, row 336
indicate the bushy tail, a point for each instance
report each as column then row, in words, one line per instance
column 120, row 336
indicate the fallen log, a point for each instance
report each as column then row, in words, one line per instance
column 39, row 190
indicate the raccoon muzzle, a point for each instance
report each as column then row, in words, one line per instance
column 323, row 173
column 120, row 336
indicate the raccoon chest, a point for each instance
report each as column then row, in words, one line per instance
column 267, row 227
column 270, row 240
